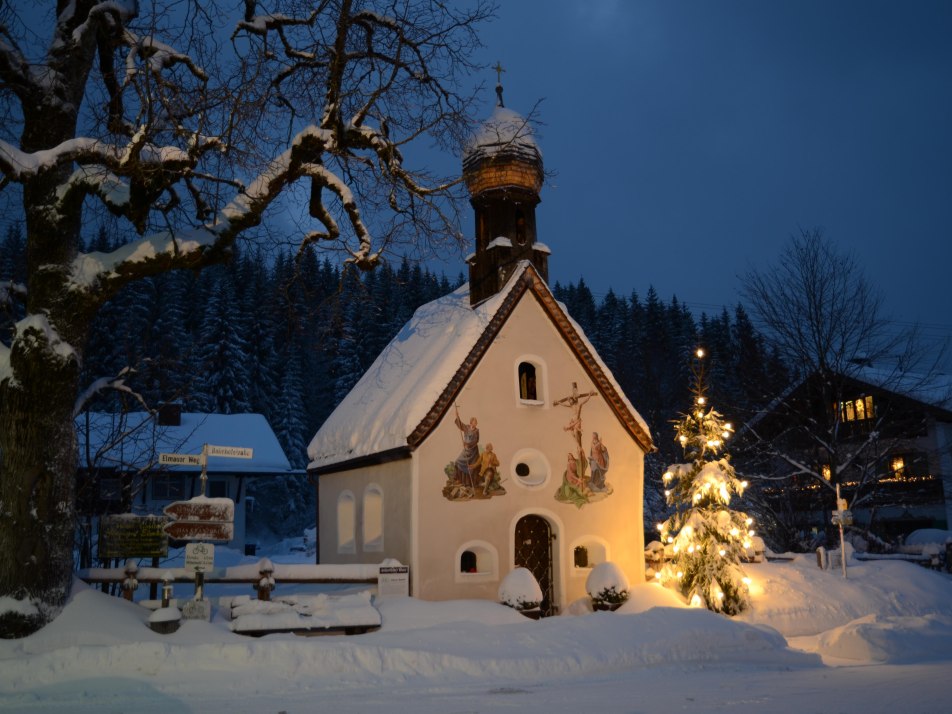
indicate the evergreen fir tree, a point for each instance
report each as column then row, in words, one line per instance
column 222, row 387
column 707, row 537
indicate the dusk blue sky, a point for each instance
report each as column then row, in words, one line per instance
column 690, row 139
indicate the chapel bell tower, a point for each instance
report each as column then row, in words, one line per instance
column 503, row 171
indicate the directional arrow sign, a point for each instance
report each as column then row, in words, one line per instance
column 200, row 530
column 180, row 459
column 232, row 452
column 214, row 510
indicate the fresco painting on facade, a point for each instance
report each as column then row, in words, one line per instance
column 475, row 473
column 584, row 478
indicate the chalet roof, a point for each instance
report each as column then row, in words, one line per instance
column 933, row 393
column 414, row 381
column 134, row 440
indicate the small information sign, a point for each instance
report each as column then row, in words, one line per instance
column 130, row 536
column 393, row 581
column 199, row 557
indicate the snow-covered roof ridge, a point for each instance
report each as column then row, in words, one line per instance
column 411, row 384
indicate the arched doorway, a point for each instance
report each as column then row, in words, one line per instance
column 533, row 551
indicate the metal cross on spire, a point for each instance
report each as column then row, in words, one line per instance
column 499, row 70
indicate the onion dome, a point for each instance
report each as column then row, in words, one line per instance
column 502, row 167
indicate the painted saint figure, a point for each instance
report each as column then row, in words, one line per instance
column 489, row 472
column 467, row 463
column 598, row 463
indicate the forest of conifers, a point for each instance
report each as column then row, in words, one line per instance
column 288, row 336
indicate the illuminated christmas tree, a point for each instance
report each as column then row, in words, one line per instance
column 705, row 538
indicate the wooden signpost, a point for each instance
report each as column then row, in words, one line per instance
column 202, row 520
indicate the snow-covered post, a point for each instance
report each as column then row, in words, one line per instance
column 167, row 588
column 265, row 583
column 131, row 583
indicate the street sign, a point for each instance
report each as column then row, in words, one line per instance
column 219, row 510
column 231, row 452
column 201, row 531
column 199, row 557
column 201, row 518
column 180, row 459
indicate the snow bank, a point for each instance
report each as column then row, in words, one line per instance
column 798, row 598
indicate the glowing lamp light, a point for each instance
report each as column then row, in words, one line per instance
column 696, row 600
column 729, row 426
column 749, row 521
column 660, row 526
column 667, row 476
column 702, row 400
column 683, row 440
column 690, row 549
column 746, row 580
column 657, row 576
column 722, row 552
column 720, row 596
column 735, row 532
column 750, row 533
column 700, row 352
column 680, row 575
column 743, row 484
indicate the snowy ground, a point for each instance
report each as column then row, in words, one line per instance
column 880, row 641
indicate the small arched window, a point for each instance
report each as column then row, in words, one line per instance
column 581, row 556
column 528, row 384
column 467, row 562
column 476, row 561
column 346, row 522
column 372, row 523
column 587, row 552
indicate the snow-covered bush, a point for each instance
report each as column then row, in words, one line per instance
column 519, row 590
column 607, row 586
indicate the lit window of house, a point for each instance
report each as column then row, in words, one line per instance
column 827, row 473
column 859, row 409
column 897, row 467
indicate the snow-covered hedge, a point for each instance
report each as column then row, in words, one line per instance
column 607, row 586
column 519, row 590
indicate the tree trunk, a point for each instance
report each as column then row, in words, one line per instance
column 38, row 452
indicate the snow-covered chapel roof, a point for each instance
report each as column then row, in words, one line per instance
column 411, row 384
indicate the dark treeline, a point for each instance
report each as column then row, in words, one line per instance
column 285, row 336
column 288, row 336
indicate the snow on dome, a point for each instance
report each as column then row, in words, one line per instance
column 504, row 134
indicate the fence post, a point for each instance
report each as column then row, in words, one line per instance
column 265, row 583
column 130, row 584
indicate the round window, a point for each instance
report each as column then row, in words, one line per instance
column 530, row 467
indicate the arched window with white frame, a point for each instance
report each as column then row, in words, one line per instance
column 530, row 381
column 372, row 521
column 346, row 522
